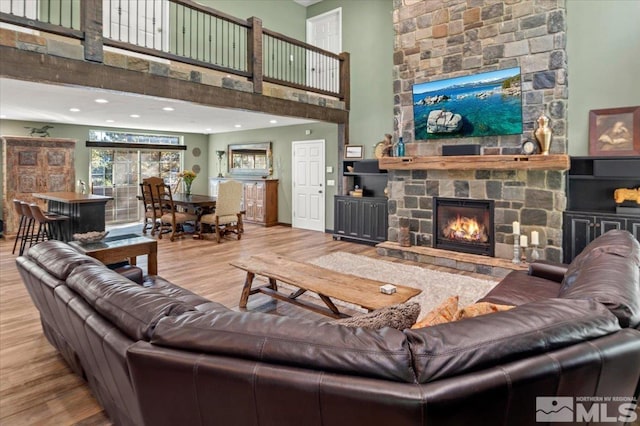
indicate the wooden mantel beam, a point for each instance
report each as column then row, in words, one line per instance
column 477, row 162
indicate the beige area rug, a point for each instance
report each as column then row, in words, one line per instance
column 436, row 286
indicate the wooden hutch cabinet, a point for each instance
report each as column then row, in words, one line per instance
column 34, row 165
column 260, row 199
column 591, row 209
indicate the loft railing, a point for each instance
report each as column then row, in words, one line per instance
column 184, row 31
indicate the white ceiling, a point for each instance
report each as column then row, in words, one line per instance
column 306, row 3
column 23, row 100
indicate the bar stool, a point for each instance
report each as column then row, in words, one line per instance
column 22, row 227
column 49, row 225
column 28, row 235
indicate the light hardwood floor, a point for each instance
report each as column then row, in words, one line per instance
column 36, row 386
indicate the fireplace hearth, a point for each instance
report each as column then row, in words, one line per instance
column 463, row 225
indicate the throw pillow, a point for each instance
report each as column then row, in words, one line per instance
column 481, row 308
column 397, row 316
column 445, row 312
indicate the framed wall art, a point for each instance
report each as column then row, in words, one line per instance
column 354, row 152
column 614, row 131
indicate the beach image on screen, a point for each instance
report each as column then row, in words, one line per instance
column 486, row 104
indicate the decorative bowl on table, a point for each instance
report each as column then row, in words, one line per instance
column 90, row 237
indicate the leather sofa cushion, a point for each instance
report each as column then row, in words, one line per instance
column 380, row 353
column 518, row 288
column 616, row 243
column 476, row 343
column 167, row 288
column 134, row 309
column 58, row 258
column 612, row 280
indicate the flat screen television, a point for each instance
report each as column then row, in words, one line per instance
column 486, row 104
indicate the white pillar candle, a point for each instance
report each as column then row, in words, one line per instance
column 523, row 240
column 516, row 227
column 535, row 238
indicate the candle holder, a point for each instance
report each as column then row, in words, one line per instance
column 516, row 249
column 534, row 253
column 220, row 155
column 523, row 254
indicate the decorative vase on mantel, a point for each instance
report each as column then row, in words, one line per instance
column 543, row 134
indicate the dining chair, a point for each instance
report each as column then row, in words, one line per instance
column 151, row 202
column 227, row 217
column 171, row 218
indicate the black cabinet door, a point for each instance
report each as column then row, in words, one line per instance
column 581, row 229
column 364, row 219
column 340, row 217
column 633, row 226
column 381, row 215
column 578, row 232
column 605, row 224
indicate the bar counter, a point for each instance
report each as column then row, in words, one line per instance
column 86, row 211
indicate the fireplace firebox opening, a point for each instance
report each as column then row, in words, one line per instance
column 464, row 225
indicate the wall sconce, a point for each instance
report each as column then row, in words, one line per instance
column 220, row 155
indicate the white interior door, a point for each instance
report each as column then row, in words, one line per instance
column 324, row 31
column 308, row 184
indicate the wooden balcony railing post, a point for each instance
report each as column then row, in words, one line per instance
column 345, row 83
column 254, row 53
column 91, row 11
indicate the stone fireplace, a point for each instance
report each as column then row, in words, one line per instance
column 437, row 40
column 463, row 225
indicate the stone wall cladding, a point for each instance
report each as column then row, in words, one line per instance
column 437, row 40
column 69, row 48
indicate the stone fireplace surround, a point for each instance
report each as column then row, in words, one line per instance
column 436, row 40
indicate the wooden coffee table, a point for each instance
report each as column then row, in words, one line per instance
column 326, row 283
column 118, row 248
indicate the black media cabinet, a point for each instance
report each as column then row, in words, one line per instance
column 591, row 210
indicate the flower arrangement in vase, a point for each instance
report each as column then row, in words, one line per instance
column 187, row 176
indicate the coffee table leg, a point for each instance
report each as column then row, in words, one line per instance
column 246, row 290
column 272, row 284
column 329, row 303
column 152, row 260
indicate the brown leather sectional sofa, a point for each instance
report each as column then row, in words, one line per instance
column 157, row 354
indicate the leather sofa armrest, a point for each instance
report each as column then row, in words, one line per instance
column 548, row 270
column 131, row 272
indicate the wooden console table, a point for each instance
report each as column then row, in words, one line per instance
column 326, row 283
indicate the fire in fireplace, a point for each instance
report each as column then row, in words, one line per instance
column 463, row 225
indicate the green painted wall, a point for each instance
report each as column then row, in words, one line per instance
column 283, row 16
column 367, row 34
column 603, row 42
column 82, row 153
column 281, row 138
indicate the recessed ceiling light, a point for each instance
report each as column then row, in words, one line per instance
column 111, row 121
column 237, row 126
column 273, row 121
column 3, row 116
column 167, row 109
column 74, row 109
column 102, row 101
column 134, row 116
column 207, row 130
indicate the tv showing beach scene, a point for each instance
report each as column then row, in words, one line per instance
column 486, row 104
